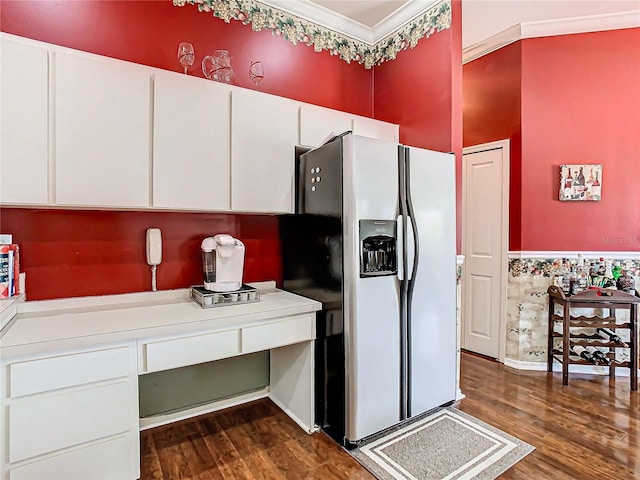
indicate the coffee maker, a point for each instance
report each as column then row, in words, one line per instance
column 222, row 263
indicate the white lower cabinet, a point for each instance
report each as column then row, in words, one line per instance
column 72, row 415
column 278, row 334
column 98, row 461
column 179, row 352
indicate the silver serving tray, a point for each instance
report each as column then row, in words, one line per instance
column 208, row 299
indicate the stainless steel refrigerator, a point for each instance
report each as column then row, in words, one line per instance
column 374, row 239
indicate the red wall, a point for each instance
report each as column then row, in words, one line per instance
column 581, row 105
column 422, row 91
column 566, row 99
column 148, row 32
column 70, row 253
column 75, row 253
column 492, row 89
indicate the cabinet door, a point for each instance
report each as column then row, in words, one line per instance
column 369, row 127
column 191, row 143
column 46, row 423
column 264, row 132
column 106, row 460
column 317, row 123
column 24, row 118
column 102, row 118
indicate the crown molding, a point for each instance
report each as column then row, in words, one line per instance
column 320, row 15
column 402, row 16
column 549, row 28
column 314, row 13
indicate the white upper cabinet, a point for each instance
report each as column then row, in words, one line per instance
column 102, row 137
column 368, row 127
column 317, row 123
column 84, row 130
column 264, row 132
column 24, row 119
column 191, row 143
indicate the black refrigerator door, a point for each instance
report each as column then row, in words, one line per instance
column 312, row 266
column 319, row 182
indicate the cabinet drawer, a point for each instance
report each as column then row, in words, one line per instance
column 43, row 424
column 37, row 376
column 105, row 461
column 190, row 350
column 263, row 337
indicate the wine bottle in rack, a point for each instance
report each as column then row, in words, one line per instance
column 612, row 337
column 598, row 355
column 582, row 352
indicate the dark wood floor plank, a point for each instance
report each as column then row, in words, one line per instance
column 262, row 467
column 149, row 462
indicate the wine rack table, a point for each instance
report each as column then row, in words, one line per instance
column 609, row 300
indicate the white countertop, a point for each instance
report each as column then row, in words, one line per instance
column 44, row 326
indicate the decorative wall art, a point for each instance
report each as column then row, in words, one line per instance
column 580, row 182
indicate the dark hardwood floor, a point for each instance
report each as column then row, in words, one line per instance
column 588, row 429
column 253, row 441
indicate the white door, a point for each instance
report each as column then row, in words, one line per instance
column 372, row 309
column 484, row 243
column 433, row 306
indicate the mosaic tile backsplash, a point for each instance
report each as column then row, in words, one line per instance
column 528, row 303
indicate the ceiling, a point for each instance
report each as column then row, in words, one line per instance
column 372, row 20
column 366, row 12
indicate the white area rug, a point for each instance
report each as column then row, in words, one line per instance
column 446, row 445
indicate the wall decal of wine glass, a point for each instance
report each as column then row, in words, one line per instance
column 256, row 72
column 186, row 55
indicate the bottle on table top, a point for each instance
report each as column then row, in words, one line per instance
column 626, row 283
column 601, row 268
column 582, row 275
column 608, row 270
column 573, row 279
column 616, row 271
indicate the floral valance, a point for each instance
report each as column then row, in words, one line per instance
column 299, row 30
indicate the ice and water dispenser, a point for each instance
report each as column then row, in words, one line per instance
column 378, row 254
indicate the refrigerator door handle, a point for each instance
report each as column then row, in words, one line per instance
column 399, row 246
column 411, row 250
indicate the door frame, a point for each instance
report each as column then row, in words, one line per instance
column 503, row 145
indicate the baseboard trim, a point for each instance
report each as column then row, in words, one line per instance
column 542, row 367
column 293, row 416
column 158, row 420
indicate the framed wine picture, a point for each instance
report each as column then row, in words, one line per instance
column 580, row 183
